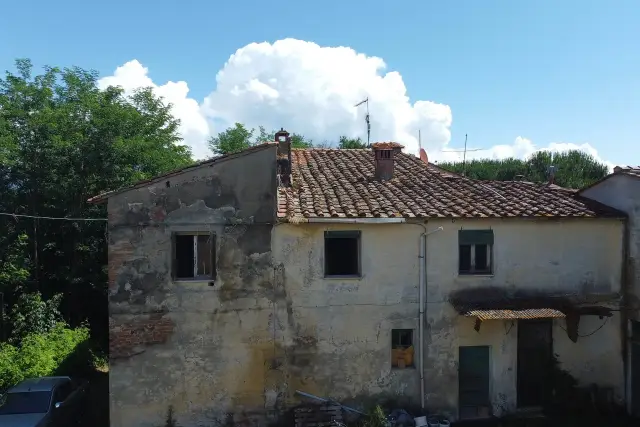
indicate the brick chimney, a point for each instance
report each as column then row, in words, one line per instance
column 384, row 155
column 284, row 157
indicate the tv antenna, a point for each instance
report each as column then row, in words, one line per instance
column 464, row 153
column 366, row 118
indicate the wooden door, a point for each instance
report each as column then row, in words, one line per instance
column 535, row 358
column 473, row 382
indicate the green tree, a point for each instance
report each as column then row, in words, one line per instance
column 574, row 169
column 232, row 140
column 299, row 141
column 63, row 140
column 237, row 138
column 32, row 315
column 39, row 354
column 345, row 142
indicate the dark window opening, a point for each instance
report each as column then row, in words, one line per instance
column 482, row 257
column 402, row 350
column 465, row 258
column 194, row 256
column 475, row 248
column 384, row 154
column 342, row 253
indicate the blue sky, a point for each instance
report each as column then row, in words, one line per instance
column 548, row 71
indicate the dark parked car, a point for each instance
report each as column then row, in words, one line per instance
column 43, row 402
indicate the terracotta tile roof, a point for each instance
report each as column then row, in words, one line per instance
column 386, row 145
column 340, row 183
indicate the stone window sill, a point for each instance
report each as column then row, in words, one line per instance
column 209, row 282
column 475, row 275
column 343, row 277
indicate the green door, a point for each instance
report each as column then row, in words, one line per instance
column 473, row 382
column 635, row 368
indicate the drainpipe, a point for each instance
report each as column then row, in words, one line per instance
column 423, row 303
column 624, row 313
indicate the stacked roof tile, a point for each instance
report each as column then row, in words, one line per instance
column 341, row 184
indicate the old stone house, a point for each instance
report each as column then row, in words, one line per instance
column 621, row 189
column 358, row 275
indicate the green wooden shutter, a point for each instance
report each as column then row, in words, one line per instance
column 475, row 237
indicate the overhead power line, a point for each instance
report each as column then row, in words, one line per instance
column 51, row 217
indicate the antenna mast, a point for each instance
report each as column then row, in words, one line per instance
column 464, row 156
column 464, row 153
column 366, row 119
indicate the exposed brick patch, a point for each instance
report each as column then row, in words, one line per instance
column 119, row 252
column 130, row 338
column 158, row 214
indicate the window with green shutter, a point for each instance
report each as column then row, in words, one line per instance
column 475, row 251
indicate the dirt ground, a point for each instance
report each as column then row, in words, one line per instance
column 549, row 422
column 97, row 412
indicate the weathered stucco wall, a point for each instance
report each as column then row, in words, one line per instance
column 623, row 193
column 199, row 348
column 272, row 323
column 352, row 319
column 570, row 257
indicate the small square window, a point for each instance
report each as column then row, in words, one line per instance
column 342, row 253
column 194, row 256
column 402, row 348
column 475, row 249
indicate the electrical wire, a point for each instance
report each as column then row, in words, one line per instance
column 590, row 333
column 51, row 217
column 131, row 225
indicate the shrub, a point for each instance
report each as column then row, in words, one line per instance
column 39, row 354
column 33, row 315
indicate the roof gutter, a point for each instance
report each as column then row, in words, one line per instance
column 357, row 220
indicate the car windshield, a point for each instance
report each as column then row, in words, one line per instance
column 35, row 402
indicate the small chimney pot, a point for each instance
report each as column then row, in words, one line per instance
column 284, row 157
column 384, row 156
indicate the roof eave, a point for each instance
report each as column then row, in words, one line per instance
column 100, row 198
column 601, row 180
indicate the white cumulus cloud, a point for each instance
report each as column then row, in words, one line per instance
column 311, row 90
column 194, row 126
